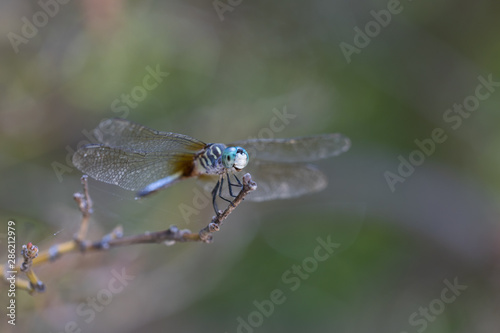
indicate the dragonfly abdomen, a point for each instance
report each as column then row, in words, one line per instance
column 209, row 162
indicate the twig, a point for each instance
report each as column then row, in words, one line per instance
column 115, row 238
column 29, row 253
column 85, row 205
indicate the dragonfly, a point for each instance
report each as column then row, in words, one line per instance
column 138, row 158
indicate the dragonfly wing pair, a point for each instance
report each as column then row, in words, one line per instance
column 133, row 156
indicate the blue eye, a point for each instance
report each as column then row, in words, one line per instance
column 228, row 156
column 236, row 157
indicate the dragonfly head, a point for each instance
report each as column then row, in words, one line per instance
column 236, row 157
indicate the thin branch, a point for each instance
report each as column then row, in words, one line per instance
column 85, row 205
column 115, row 238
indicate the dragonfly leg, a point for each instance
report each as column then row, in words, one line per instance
column 220, row 191
column 214, row 197
column 231, row 185
column 217, row 191
column 239, row 182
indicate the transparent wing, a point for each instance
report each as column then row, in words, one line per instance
column 121, row 133
column 128, row 169
column 302, row 149
column 276, row 180
column 285, row 180
column 133, row 156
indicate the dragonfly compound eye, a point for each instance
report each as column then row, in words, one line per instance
column 236, row 157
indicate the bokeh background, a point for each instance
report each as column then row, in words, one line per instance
column 230, row 71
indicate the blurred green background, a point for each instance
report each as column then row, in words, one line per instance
column 231, row 66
